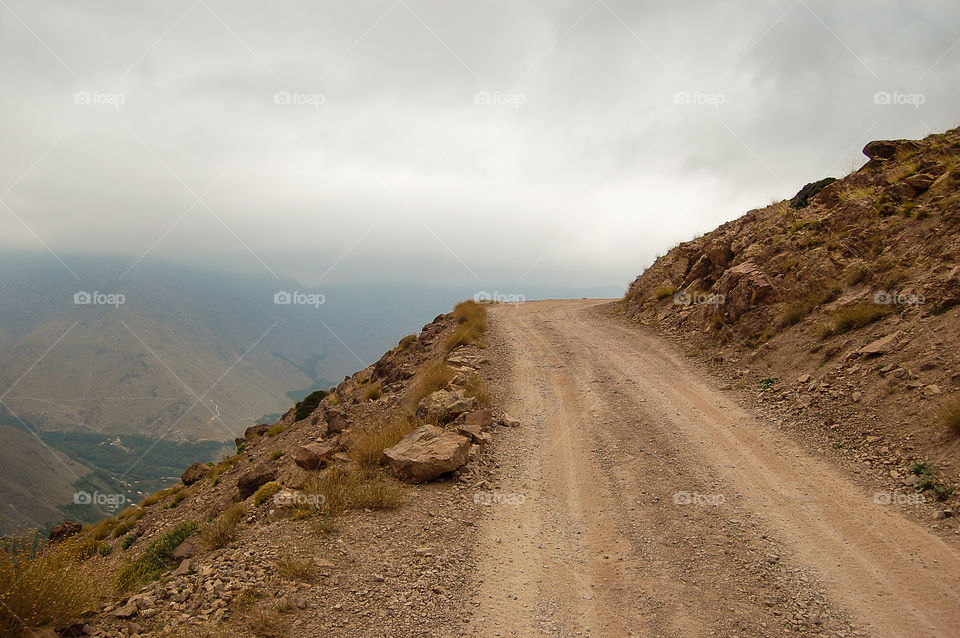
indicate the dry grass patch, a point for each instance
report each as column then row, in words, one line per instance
column 374, row 392
column 472, row 323
column 665, row 291
column 43, row 585
column 339, row 489
column 223, row 529
column 152, row 563
column 476, row 388
column 367, row 446
column 406, row 342
column 853, row 317
column 433, row 376
column 296, row 568
column 950, row 415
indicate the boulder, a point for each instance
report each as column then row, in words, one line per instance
column 194, row 473
column 509, row 421
column 65, row 530
column 127, row 611
column 253, row 479
column 426, row 453
column 336, row 420
column 481, row 418
column 743, row 287
column 314, row 456
column 888, row 149
column 921, row 181
column 184, row 550
column 471, row 431
column 255, row 430
column 444, row 406
column 719, row 254
column 880, row 346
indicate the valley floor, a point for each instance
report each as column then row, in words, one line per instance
column 637, row 499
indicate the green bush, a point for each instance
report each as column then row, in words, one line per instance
column 266, row 492
column 305, row 408
column 152, row 563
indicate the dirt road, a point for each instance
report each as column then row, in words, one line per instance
column 638, row 500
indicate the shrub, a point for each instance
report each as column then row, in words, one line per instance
column 809, row 191
column 152, row 563
column 432, row 376
column 276, row 429
column 305, row 407
column 406, row 342
column 367, row 446
column 156, row 497
column 950, row 415
column 266, row 492
column 375, row 491
column 334, row 399
column 665, row 291
column 128, row 540
column 102, row 529
column 853, row 317
column 222, row 529
column 43, row 585
column 296, row 568
column 224, row 465
column 768, row 382
column 472, row 320
column 373, row 393
column 179, row 496
column 276, row 454
column 123, row 528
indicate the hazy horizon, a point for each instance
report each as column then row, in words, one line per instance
column 452, row 143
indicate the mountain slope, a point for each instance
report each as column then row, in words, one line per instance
column 842, row 312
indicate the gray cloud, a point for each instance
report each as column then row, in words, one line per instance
column 584, row 164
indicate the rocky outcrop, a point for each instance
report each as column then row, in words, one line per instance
column 426, row 453
column 194, row 473
column 254, row 431
column 443, row 406
column 253, row 479
column 64, row 530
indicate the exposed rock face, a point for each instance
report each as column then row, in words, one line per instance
column 253, row 479
column 336, row 420
column 743, row 287
column 444, row 406
column 255, row 430
column 426, row 453
column 314, row 456
column 64, row 530
column 194, row 473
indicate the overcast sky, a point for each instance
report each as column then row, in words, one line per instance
column 443, row 141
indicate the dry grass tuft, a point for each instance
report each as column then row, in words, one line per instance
column 367, row 446
column 472, row 320
column 853, row 317
column 432, row 376
column 223, row 529
column 950, row 415
column 43, row 585
column 296, row 568
column 374, row 392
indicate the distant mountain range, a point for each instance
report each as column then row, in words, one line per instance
column 101, row 367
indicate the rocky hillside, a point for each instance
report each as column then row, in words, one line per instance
column 337, row 502
column 838, row 308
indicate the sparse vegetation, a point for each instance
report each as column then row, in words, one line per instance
column 665, row 291
column 367, row 446
column 276, row 429
column 276, row 454
column 339, row 489
column 950, row 415
column 43, row 585
column 472, row 323
column 768, row 382
column 128, row 540
column 432, row 376
column 156, row 497
column 374, row 392
column 475, row 387
column 152, row 563
column 266, row 492
column 292, row 567
column 406, row 342
column 856, row 193
column 222, row 529
column 851, row 318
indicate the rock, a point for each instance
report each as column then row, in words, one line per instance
column 336, row 420
column 253, row 479
column 942, row 514
column 719, row 254
column 856, row 396
column 888, row 149
column 254, row 431
column 481, row 418
column 472, row 432
column 239, row 442
column 743, row 287
column 880, row 346
column 184, row 568
column 931, row 390
column 509, row 421
column 314, row 456
column 887, row 368
column 127, row 611
column 184, row 550
column 426, row 453
column 921, row 181
column 444, row 406
column 64, row 530
column 899, row 373
column 194, row 473
column 803, row 378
